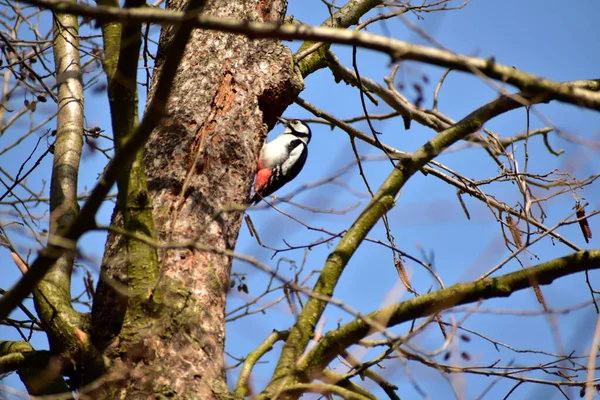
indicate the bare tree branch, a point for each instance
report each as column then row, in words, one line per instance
column 398, row 50
column 86, row 219
column 544, row 274
column 39, row 370
column 381, row 203
column 52, row 295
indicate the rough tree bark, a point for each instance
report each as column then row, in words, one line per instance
column 199, row 164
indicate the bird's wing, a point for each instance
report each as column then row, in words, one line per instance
column 297, row 150
column 290, row 168
column 279, row 167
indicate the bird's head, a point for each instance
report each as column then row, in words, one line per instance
column 296, row 128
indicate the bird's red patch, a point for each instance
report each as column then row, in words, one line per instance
column 262, row 178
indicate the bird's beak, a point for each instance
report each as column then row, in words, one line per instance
column 283, row 121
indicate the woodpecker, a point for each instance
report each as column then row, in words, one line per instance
column 282, row 159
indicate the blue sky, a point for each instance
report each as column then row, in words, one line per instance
column 547, row 38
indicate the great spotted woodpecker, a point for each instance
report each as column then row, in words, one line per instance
column 282, row 159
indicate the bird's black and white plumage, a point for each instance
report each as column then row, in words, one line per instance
column 282, row 159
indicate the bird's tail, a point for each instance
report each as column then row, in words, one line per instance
column 255, row 199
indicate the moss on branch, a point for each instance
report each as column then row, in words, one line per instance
column 39, row 370
column 345, row 17
column 252, row 358
column 335, row 342
column 133, row 199
column 52, row 295
column 382, row 202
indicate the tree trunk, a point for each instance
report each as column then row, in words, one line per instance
column 200, row 163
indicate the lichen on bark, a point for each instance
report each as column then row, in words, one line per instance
column 200, row 160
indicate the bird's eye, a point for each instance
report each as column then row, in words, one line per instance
column 295, row 122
